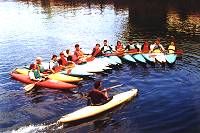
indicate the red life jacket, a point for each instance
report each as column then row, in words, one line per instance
column 119, row 46
column 63, row 62
column 145, row 47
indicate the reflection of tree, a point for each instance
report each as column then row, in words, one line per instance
column 46, row 5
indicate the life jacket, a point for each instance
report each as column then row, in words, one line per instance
column 36, row 74
column 106, row 49
column 41, row 68
column 171, row 49
column 78, row 53
column 96, row 52
column 145, row 48
column 62, row 61
column 119, row 46
column 157, row 49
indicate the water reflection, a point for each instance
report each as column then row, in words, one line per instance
column 144, row 18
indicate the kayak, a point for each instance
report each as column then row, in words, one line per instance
column 171, row 58
column 90, row 111
column 56, row 76
column 49, row 83
column 139, row 57
column 148, row 58
column 77, row 69
column 159, row 56
column 128, row 58
column 108, row 60
column 116, row 59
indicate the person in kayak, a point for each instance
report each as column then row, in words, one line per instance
column 106, row 49
column 119, row 48
column 34, row 73
column 96, row 51
column 145, row 47
column 96, row 95
column 62, row 60
column 156, row 47
column 38, row 62
column 54, row 65
column 67, row 53
column 171, row 48
column 131, row 47
column 79, row 55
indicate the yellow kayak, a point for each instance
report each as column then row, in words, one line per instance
column 56, row 76
column 90, row 111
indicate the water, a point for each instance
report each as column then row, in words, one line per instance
column 168, row 100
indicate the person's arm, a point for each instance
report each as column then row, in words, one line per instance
column 162, row 48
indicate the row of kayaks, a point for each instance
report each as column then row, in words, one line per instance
column 99, row 64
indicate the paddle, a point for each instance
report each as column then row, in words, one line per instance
column 29, row 87
column 106, row 89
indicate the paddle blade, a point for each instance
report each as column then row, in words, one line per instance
column 180, row 52
column 29, row 87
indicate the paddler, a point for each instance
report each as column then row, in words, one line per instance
column 157, row 47
column 171, row 48
column 131, row 46
column 96, row 51
column 79, row 55
column 97, row 96
column 106, row 49
column 145, row 47
column 35, row 74
column 54, row 65
column 38, row 63
column 119, row 48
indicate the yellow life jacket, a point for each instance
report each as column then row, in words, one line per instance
column 171, row 49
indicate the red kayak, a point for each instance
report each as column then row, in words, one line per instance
column 49, row 83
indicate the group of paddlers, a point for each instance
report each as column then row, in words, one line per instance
column 66, row 60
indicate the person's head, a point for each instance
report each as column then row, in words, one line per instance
column 172, row 43
column 97, row 84
column 32, row 66
column 67, row 51
column 38, row 60
column 97, row 45
column 54, row 57
column 77, row 47
column 119, row 43
column 69, row 58
column 157, row 41
column 105, row 42
column 130, row 41
column 62, row 55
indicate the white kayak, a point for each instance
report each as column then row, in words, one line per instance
column 90, row 111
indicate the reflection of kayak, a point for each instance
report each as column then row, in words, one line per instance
column 90, row 111
column 56, row 76
column 49, row 83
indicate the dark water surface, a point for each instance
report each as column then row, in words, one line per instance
column 169, row 98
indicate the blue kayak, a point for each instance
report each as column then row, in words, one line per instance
column 170, row 58
column 139, row 57
column 149, row 58
column 116, row 59
column 129, row 58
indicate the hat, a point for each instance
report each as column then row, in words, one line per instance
column 39, row 58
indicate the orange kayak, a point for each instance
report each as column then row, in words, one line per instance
column 49, row 83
